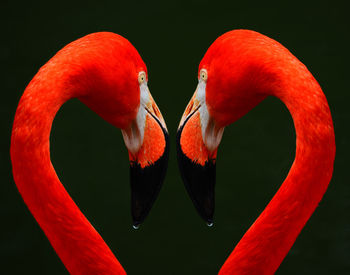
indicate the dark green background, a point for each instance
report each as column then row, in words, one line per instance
column 255, row 155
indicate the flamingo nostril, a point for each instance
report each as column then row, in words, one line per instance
column 189, row 108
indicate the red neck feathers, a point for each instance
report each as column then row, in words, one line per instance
column 78, row 70
column 255, row 66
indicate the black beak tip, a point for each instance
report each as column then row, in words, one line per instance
column 146, row 183
column 199, row 181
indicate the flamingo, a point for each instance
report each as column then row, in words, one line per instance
column 107, row 74
column 239, row 70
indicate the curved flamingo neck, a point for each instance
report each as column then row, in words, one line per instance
column 79, row 246
column 266, row 243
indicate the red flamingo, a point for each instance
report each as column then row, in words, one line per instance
column 238, row 71
column 106, row 73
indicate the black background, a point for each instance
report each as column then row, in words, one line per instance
column 254, row 157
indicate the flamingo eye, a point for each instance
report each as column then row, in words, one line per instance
column 142, row 77
column 204, row 74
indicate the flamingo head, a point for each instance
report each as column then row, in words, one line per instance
column 228, row 87
column 117, row 90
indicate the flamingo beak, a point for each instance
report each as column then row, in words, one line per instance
column 147, row 141
column 197, row 141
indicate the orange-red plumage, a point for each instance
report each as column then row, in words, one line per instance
column 241, row 69
column 102, row 70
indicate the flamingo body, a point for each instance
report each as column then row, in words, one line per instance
column 238, row 71
column 105, row 72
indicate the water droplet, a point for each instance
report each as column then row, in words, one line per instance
column 136, row 226
column 210, row 224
